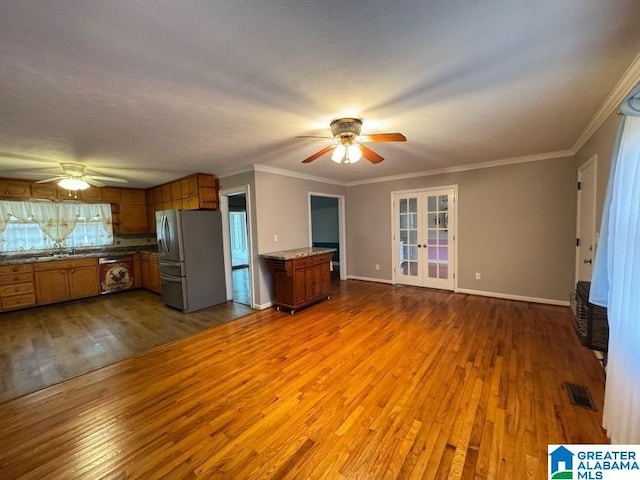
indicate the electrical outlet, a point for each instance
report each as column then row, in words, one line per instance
column 478, row 276
column 377, row 267
column 275, row 237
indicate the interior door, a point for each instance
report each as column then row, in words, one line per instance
column 585, row 249
column 423, row 239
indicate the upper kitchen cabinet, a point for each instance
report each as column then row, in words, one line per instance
column 10, row 188
column 111, row 194
column 133, row 211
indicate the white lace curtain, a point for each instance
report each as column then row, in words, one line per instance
column 616, row 279
column 44, row 224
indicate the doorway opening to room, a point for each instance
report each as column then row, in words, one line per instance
column 238, row 263
column 424, row 237
column 327, row 229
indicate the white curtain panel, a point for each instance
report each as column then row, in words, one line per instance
column 616, row 280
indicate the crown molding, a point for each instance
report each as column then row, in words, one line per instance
column 288, row 173
column 628, row 80
column 471, row 166
column 238, row 171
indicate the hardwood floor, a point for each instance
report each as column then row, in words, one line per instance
column 43, row 346
column 378, row 382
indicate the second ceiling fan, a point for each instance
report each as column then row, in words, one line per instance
column 348, row 144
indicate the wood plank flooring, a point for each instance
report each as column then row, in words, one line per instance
column 378, row 382
column 46, row 345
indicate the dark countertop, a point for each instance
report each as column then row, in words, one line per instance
column 46, row 256
column 297, row 253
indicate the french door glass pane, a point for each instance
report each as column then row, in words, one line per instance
column 431, row 204
column 443, row 203
column 403, row 205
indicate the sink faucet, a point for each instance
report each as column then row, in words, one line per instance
column 57, row 244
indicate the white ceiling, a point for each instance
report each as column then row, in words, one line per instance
column 155, row 90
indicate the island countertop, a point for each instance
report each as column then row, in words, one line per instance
column 297, row 253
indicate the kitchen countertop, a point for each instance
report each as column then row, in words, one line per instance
column 297, row 253
column 33, row 257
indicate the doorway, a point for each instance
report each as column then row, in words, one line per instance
column 586, row 220
column 236, row 219
column 424, row 236
column 327, row 229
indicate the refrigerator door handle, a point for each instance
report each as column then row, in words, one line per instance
column 171, row 278
column 167, row 235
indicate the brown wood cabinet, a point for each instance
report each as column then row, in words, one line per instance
column 16, row 286
column 301, row 281
column 197, row 191
column 150, row 272
column 62, row 280
column 10, row 188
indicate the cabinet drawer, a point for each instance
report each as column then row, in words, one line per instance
column 302, row 262
column 57, row 264
column 16, row 278
column 18, row 268
column 19, row 301
column 325, row 257
column 17, row 289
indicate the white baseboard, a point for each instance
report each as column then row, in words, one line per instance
column 369, row 279
column 520, row 298
column 264, row 306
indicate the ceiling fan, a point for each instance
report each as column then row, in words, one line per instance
column 75, row 176
column 348, row 144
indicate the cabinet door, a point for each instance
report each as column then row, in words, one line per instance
column 52, row 286
column 133, row 219
column 83, row 282
column 154, row 272
column 299, row 285
column 133, row 196
column 325, row 278
column 15, row 188
column 111, row 194
column 316, row 281
column 91, row 193
column 44, row 190
column 146, row 275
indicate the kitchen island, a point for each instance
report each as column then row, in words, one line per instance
column 301, row 276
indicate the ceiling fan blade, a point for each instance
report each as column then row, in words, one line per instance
column 108, row 179
column 318, row 154
column 93, row 182
column 369, row 154
column 313, row 136
column 383, row 137
column 46, row 180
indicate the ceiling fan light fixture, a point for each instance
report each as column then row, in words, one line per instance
column 73, row 184
column 353, row 154
column 339, row 153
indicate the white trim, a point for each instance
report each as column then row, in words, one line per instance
column 593, row 160
column 342, row 229
column 520, row 298
column 369, row 279
column 226, row 241
column 611, row 103
column 471, row 166
column 263, row 306
column 231, row 173
column 454, row 209
column 303, row 176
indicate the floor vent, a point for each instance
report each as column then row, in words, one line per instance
column 580, row 396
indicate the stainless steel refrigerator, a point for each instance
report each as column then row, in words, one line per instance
column 191, row 258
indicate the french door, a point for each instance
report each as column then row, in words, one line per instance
column 424, row 234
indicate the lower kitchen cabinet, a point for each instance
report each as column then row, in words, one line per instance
column 58, row 281
column 16, row 286
column 302, row 281
column 150, row 272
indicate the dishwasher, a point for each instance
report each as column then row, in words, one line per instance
column 116, row 273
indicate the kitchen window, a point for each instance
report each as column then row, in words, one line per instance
column 28, row 226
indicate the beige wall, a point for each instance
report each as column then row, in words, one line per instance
column 516, row 227
column 282, row 206
column 601, row 144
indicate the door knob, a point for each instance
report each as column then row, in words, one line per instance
column 587, row 261
column 419, row 245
